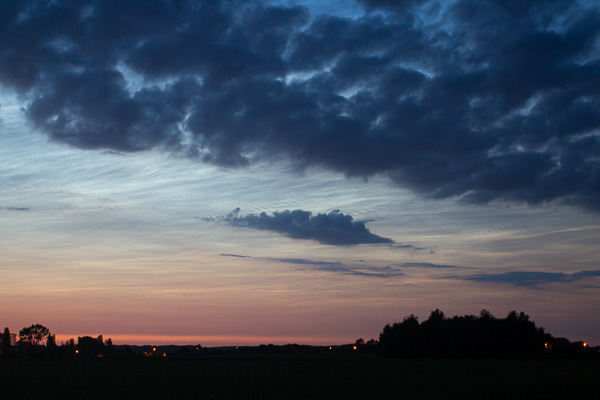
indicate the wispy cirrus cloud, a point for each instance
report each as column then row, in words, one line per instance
column 334, row 228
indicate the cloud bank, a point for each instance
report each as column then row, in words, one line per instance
column 335, row 228
column 479, row 100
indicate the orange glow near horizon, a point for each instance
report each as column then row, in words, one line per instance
column 207, row 341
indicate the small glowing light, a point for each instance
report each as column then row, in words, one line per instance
column 354, row 347
column 546, row 345
column 164, row 354
column 154, row 349
column 584, row 344
column 76, row 351
column 329, row 347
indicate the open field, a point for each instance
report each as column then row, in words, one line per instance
column 297, row 378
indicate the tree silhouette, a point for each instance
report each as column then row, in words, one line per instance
column 109, row 346
column 33, row 335
column 51, row 341
column 68, row 347
column 401, row 338
column 89, row 346
column 6, row 342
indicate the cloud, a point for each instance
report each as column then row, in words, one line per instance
column 408, row 246
column 484, row 101
column 376, row 272
column 15, row 208
column 303, row 261
column 335, row 228
column 233, row 255
column 338, row 267
column 529, row 278
column 428, row 265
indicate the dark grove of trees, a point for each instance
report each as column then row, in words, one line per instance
column 37, row 341
column 483, row 336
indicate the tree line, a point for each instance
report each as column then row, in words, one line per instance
column 468, row 336
column 36, row 340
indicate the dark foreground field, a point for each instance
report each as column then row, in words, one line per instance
column 297, row 378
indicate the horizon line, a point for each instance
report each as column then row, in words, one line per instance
column 207, row 340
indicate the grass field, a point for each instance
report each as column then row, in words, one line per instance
column 297, row 378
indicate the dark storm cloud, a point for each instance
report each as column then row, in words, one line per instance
column 335, row 228
column 479, row 100
column 527, row 278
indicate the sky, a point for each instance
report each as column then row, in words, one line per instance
column 243, row 173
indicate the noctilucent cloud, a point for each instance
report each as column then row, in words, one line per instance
column 240, row 172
